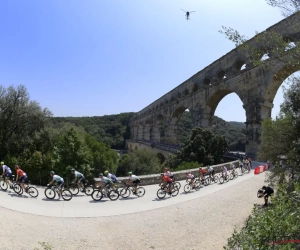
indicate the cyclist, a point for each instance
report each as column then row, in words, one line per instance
column 202, row 172
column 58, row 180
column 167, row 182
column 241, row 166
column 232, row 166
column 224, row 171
column 21, row 177
column 111, row 176
column 211, row 172
column 6, row 173
column 168, row 173
column 134, row 180
column 80, row 177
column 190, row 177
column 107, row 182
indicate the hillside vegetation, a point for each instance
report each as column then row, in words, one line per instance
column 113, row 130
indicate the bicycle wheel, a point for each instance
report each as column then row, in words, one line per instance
column 161, row 193
column 140, row 191
column 227, row 178
column 33, row 192
column 50, row 193
column 89, row 190
column 187, row 188
column 177, row 184
column 221, row 179
column 66, row 194
column 113, row 195
column 175, row 191
column 18, row 189
column 74, row 189
column 208, row 180
column 97, row 195
column 247, row 170
column 215, row 179
column 197, row 184
column 3, row 185
column 231, row 177
column 236, row 175
column 125, row 192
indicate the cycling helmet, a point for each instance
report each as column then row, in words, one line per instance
column 72, row 169
column 166, row 169
column 264, row 187
column 129, row 173
column 51, row 172
column 106, row 172
column 2, row 163
column 187, row 172
column 100, row 174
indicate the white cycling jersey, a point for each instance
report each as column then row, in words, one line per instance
column 6, row 169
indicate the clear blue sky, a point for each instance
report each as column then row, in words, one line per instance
column 97, row 57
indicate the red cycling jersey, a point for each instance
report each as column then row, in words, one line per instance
column 20, row 172
column 167, row 178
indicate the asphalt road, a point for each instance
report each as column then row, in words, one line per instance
column 82, row 205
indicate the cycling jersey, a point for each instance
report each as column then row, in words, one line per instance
column 78, row 175
column 190, row 176
column 57, row 178
column 167, row 178
column 20, row 172
column 210, row 169
column 6, row 169
column 224, row 170
column 169, row 174
column 105, row 180
column 112, row 177
column 134, row 177
column 203, row 171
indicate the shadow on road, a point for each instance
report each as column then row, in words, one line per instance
column 101, row 201
column 55, row 200
column 127, row 199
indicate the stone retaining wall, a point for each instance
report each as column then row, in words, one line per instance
column 180, row 175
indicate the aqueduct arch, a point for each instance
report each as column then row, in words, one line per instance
column 256, row 86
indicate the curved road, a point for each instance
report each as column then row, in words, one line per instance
column 84, row 206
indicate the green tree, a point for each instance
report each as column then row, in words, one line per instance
column 144, row 162
column 20, row 119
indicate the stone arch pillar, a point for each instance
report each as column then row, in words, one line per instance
column 146, row 133
column 140, row 132
column 256, row 112
column 155, row 131
column 134, row 133
column 171, row 130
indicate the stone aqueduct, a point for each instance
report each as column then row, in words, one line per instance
column 256, row 87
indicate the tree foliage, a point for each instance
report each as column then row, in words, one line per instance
column 201, row 146
column 235, row 132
